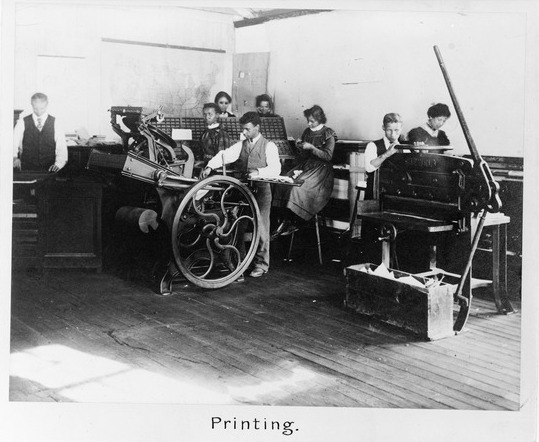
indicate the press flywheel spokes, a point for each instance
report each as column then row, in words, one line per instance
column 215, row 231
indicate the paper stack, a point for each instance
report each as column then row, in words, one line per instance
column 383, row 272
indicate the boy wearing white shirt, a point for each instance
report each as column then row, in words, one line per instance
column 378, row 151
column 258, row 157
column 38, row 142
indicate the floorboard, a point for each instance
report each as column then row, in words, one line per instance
column 284, row 339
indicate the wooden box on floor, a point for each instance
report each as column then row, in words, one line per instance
column 427, row 312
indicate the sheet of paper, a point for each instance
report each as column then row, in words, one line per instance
column 410, row 280
column 382, row 271
column 182, row 134
column 83, row 133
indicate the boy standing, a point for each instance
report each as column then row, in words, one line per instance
column 257, row 157
column 38, row 142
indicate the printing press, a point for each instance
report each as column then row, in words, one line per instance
column 212, row 224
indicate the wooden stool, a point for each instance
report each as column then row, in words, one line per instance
column 318, row 242
column 361, row 188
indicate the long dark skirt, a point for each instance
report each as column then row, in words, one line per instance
column 307, row 200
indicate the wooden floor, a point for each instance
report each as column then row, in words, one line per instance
column 284, row 339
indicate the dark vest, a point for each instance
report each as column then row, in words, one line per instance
column 38, row 148
column 253, row 157
column 380, row 149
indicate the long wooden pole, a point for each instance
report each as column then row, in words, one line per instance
column 492, row 202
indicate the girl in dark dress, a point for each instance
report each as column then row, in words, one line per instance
column 315, row 151
column 223, row 100
column 430, row 134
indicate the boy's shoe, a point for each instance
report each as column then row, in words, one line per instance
column 257, row 272
column 240, row 279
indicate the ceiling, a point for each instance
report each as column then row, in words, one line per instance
column 250, row 16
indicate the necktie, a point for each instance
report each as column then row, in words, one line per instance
column 39, row 125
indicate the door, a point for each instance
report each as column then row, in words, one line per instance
column 250, row 78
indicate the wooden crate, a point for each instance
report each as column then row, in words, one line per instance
column 425, row 312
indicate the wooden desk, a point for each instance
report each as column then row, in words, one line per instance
column 70, row 224
column 348, row 168
column 56, row 223
column 498, row 222
column 25, row 222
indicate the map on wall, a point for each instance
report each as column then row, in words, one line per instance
column 149, row 76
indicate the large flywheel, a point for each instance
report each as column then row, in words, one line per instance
column 215, row 231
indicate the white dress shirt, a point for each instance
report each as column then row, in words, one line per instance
column 371, row 154
column 273, row 169
column 59, row 139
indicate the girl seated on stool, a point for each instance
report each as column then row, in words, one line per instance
column 294, row 204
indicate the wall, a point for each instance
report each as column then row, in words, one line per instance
column 60, row 51
column 360, row 64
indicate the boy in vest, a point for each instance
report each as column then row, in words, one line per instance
column 257, row 157
column 38, row 143
column 378, row 151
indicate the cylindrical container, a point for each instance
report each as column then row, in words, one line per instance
column 137, row 217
